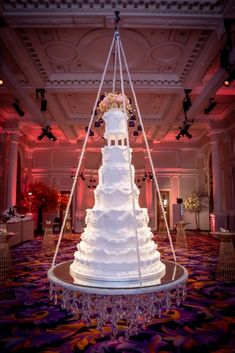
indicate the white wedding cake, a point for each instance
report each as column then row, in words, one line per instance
column 116, row 248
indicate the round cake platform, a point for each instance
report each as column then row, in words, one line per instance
column 135, row 305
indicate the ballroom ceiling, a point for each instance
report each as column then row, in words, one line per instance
column 61, row 47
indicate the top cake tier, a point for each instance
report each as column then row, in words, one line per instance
column 115, row 124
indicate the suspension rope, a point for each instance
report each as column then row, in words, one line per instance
column 82, row 154
column 149, row 155
column 129, row 160
column 115, row 63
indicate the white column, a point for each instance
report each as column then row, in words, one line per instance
column 216, row 172
column 12, row 170
column 218, row 218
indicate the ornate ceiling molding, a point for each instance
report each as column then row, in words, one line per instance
column 188, row 14
column 107, row 6
column 84, row 84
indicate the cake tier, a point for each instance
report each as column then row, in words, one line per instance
column 115, row 124
column 116, row 272
column 116, row 177
column 108, row 250
column 117, row 221
column 116, row 155
column 120, row 197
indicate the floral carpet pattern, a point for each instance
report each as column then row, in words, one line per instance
column 30, row 322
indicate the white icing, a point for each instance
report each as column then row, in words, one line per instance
column 115, row 124
column 109, row 252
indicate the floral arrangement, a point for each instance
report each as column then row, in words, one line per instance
column 42, row 196
column 114, row 100
column 192, row 203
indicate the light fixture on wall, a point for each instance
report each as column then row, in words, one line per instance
column 16, row 106
column 40, row 93
column 211, row 106
column 47, row 131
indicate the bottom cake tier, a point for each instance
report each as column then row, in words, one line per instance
column 117, row 274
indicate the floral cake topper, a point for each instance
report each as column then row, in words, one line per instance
column 114, row 100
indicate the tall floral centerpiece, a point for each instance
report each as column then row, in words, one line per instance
column 192, row 204
column 38, row 198
column 114, row 100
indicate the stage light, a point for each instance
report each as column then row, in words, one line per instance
column 43, row 105
column 40, row 93
column 184, row 130
column 1, row 82
column 16, row 106
column 187, row 101
column 212, row 104
column 47, row 131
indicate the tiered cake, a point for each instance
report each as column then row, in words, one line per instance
column 116, row 248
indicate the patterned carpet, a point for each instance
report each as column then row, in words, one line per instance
column 29, row 322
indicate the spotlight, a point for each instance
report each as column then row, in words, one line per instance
column 41, row 92
column 212, row 104
column 184, row 131
column 16, row 106
column 229, row 79
column 47, row 131
column 1, row 82
column 187, row 101
column 43, row 105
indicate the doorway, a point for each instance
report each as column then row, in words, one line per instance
column 161, row 227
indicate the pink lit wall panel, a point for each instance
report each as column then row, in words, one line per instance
column 138, row 160
column 42, row 179
column 187, row 159
column 64, row 159
column 165, row 159
column 65, row 183
column 187, row 184
column 42, row 159
column 92, row 160
column 164, row 182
